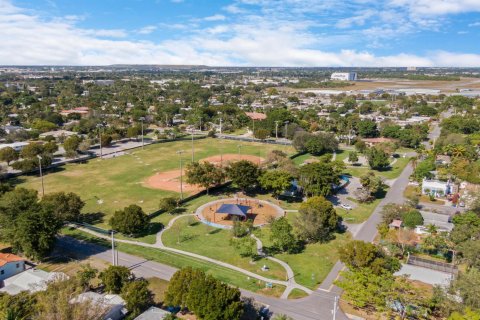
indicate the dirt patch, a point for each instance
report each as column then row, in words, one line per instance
column 260, row 212
column 170, row 180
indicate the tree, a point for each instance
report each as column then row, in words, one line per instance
column 66, row 206
column 85, row 275
column 261, row 133
column 134, row 132
column 412, row 218
column 371, row 186
column 393, row 211
column 137, row 296
column 204, row 174
column 35, row 233
column 467, row 285
column 8, row 154
column 360, row 146
column 168, row 204
column 300, row 140
column 317, row 178
column 377, row 158
column 470, row 252
column 317, row 220
column 367, row 129
column 358, row 255
column 353, row 157
column 403, row 238
column 114, row 278
column 56, row 302
column 19, row 306
column 130, row 220
column 282, row 236
column 276, row 181
column 207, row 297
column 364, row 288
column 321, row 143
column 71, row 145
column 246, row 246
column 32, row 150
column 106, row 140
column 244, row 174
column 50, row 147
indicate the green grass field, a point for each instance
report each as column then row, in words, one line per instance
column 215, row 243
column 112, row 184
column 180, row 261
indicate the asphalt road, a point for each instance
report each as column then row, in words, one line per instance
column 315, row 306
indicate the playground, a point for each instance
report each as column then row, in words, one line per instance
column 222, row 213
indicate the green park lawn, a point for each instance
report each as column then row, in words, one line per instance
column 360, row 213
column 112, row 184
column 313, row 264
column 215, row 243
column 180, row 261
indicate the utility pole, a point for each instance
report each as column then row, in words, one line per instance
column 193, row 152
column 99, row 126
column 335, row 308
column 41, row 174
column 113, row 248
column 180, row 152
column 142, row 119
column 239, row 148
column 276, row 129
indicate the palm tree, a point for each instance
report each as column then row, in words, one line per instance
column 458, row 151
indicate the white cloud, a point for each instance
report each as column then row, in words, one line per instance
column 28, row 39
column 474, row 24
column 216, row 17
column 147, row 30
column 438, row 7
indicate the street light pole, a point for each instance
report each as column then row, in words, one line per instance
column 142, row 119
column 193, row 151
column 276, row 129
column 99, row 126
column 239, row 148
column 180, row 152
column 286, row 129
column 41, row 174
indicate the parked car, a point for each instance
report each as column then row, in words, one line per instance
column 346, row 206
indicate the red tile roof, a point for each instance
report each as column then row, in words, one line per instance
column 256, row 115
column 8, row 257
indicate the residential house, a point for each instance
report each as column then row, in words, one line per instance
column 396, row 224
column 436, row 188
column 112, row 305
column 10, row 265
column 31, row 280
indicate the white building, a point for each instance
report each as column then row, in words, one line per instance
column 344, row 76
column 435, row 187
column 112, row 305
column 17, row 146
column 153, row 313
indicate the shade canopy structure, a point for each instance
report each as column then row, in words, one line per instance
column 233, row 209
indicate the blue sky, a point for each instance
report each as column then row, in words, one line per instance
column 241, row 32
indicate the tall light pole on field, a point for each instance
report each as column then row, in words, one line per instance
column 193, row 150
column 142, row 119
column 180, row 152
column 99, row 126
column 286, row 129
column 114, row 260
column 239, row 148
column 221, row 145
column 276, row 129
column 41, row 174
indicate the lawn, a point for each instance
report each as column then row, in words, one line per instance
column 313, row 264
column 111, row 184
column 392, row 173
column 360, row 213
column 158, row 287
column 180, row 261
column 190, row 235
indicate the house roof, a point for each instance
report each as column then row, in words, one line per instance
column 377, row 140
column 153, row 313
column 396, row 223
column 32, row 280
column 8, row 257
column 256, row 115
column 234, row 209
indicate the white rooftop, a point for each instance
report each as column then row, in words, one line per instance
column 31, row 280
column 153, row 313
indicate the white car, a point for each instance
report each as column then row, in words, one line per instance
column 346, row 206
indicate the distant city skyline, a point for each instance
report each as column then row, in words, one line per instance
column 282, row 33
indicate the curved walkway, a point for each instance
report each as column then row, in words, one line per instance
column 159, row 245
column 292, row 284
